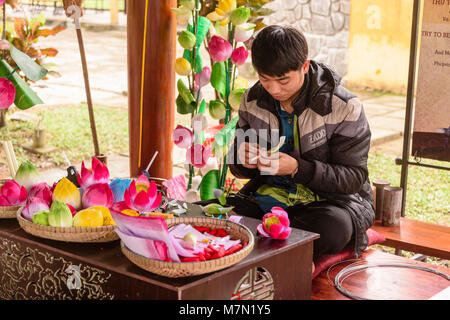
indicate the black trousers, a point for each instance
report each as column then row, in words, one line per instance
column 333, row 223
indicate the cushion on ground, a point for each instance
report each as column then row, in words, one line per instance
column 328, row 260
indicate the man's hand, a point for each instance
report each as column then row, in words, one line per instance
column 278, row 164
column 248, row 155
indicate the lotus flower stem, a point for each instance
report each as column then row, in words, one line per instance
column 12, row 73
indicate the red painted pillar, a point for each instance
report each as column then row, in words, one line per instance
column 151, row 84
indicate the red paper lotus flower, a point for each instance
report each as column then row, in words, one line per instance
column 7, row 93
column 275, row 224
column 182, row 137
column 239, row 56
column 219, row 49
column 98, row 194
column 98, row 174
column 198, row 155
column 12, row 194
column 142, row 201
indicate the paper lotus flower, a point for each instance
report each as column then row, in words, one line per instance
column 72, row 209
column 182, row 137
column 219, row 49
column 239, row 56
column 66, row 192
column 223, row 11
column 12, row 194
column 60, row 215
column 27, row 175
column 98, row 194
column 203, row 78
column 240, row 15
column 143, row 201
column 142, row 183
column 118, row 187
column 98, row 174
column 33, row 205
column 184, row 15
column 244, row 32
column 187, row 39
column 88, row 218
column 183, row 67
column 198, row 155
column 217, row 109
column 235, row 98
column 41, row 191
column 7, row 93
column 275, row 224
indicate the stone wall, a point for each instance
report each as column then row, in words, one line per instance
column 325, row 23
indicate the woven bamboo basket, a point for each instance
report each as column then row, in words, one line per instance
column 8, row 212
column 72, row 234
column 187, row 269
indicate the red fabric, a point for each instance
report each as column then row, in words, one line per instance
column 325, row 261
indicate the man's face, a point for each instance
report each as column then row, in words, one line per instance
column 286, row 87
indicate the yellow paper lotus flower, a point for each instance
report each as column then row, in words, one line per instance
column 223, row 11
column 65, row 191
column 183, row 67
column 107, row 218
column 88, row 218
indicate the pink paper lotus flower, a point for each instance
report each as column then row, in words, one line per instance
column 203, row 78
column 41, row 191
column 198, row 155
column 142, row 201
column 239, row 56
column 182, row 137
column 275, row 224
column 120, row 206
column 34, row 205
column 98, row 194
column 12, row 194
column 219, row 49
column 98, row 174
column 7, row 93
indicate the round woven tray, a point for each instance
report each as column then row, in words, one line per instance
column 9, row 212
column 186, row 269
column 73, row 234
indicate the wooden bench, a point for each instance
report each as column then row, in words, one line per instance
column 416, row 236
column 382, row 283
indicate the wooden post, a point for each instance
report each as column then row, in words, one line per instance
column 152, row 34
column 114, row 11
column 392, row 206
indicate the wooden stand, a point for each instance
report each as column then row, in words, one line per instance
column 392, row 206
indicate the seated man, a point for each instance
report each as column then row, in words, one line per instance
column 319, row 176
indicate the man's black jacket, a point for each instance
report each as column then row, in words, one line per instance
column 334, row 144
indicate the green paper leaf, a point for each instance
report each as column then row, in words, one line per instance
column 183, row 107
column 218, row 78
column 25, row 96
column 223, row 199
column 226, row 134
column 209, row 182
column 31, row 69
column 202, row 108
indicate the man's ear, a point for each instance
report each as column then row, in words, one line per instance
column 305, row 67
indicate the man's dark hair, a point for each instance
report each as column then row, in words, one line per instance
column 277, row 50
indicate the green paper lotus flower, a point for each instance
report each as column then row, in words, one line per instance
column 187, row 39
column 27, row 175
column 240, row 15
column 60, row 215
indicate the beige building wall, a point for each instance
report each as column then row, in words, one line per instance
column 379, row 44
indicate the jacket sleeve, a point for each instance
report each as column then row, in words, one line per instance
column 346, row 169
column 237, row 169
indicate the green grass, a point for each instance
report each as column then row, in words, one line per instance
column 69, row 129
column 428, row 191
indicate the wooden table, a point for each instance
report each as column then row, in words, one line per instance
column 35, row 268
